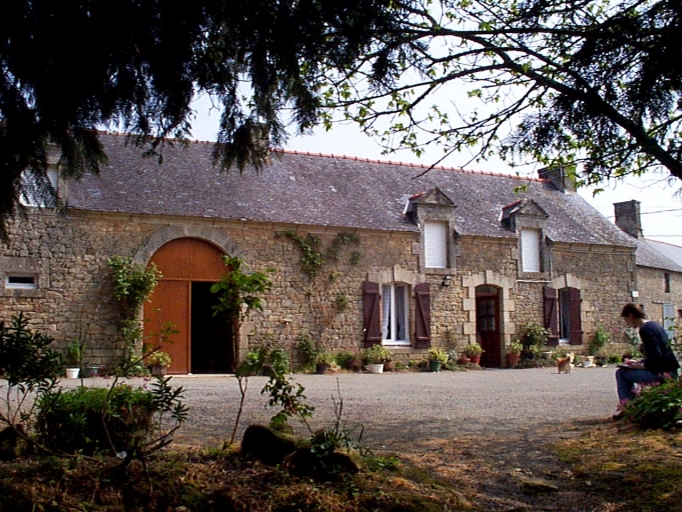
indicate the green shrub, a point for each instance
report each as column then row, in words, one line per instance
column 613, row 359
column 376, row 354
column 133, row 282
column 31, row 369
column 26, row 357
column 308, row 350
column 472, row 349
column 438, row 354
column 74, row 421
column 533, row 338
column 656, row 406
column 118, row 420
column 344, row 358
column 600, row 338
column 264, row 360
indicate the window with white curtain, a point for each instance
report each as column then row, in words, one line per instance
column 394, row 314
column 530, row 250
column 436, row 244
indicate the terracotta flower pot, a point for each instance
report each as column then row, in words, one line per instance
column 463, row 360
column 513, row 359
column 475, row 359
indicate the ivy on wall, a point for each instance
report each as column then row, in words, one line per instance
column 324, row 266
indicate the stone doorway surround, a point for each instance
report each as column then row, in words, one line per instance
column 214, row 236
column 507, row 304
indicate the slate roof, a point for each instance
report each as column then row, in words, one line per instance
column 654, row 254
column 301, row 188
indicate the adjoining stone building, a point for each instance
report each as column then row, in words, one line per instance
column 414, row 259
column 659, row 270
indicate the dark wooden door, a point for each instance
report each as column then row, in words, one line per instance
column 488, row 329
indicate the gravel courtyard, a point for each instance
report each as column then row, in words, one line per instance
column 484, row 432
column 403, row 408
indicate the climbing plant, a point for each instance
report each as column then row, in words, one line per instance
column 133, row 284
column 238, row 292
column 324, row 266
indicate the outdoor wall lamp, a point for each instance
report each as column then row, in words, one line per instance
column 447, row 280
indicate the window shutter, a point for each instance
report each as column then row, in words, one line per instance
column 574, row 312
column 371, row 300
column 530, row 250
column 669, row 319
column 423, row 316
column 551, row 314
column 435, row 244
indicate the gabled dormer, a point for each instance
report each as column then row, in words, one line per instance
column 434, row 213
column 529, row 221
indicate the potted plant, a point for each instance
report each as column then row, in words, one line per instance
column 473, row 351
column 375, row 356
column 533, row 339
column 437, row 357
column 74, row 358
column 514, row 352
column 90, row 370
column 158, row 362
column 323, row 361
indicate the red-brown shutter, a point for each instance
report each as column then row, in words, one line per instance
column 574, row 312
column 422, row 324
column 371, row 300
column 551, row 314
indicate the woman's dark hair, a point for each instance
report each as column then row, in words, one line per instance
column 633, row 310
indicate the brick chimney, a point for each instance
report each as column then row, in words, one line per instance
column 628, row 218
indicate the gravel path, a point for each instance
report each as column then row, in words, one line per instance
column 400, row 408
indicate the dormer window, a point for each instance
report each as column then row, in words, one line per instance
column 531, row 260
column 434, row 212
column 528, row 220
column 38, row 192
column 436, row 244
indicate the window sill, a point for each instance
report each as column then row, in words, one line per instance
column 22, row 292
column 439, row 271
column 397, row 344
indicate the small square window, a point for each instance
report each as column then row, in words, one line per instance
column 19, row 282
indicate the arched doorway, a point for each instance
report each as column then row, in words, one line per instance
column 204, row 343
column 488, row 325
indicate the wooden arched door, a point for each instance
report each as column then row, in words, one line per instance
column 204, row 343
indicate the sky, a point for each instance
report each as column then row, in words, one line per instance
column 661, row 211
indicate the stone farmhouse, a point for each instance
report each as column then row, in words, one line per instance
column 659, row 270
column 409, row 258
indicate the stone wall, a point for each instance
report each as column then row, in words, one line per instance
column 652, row 294
column 68, row 253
